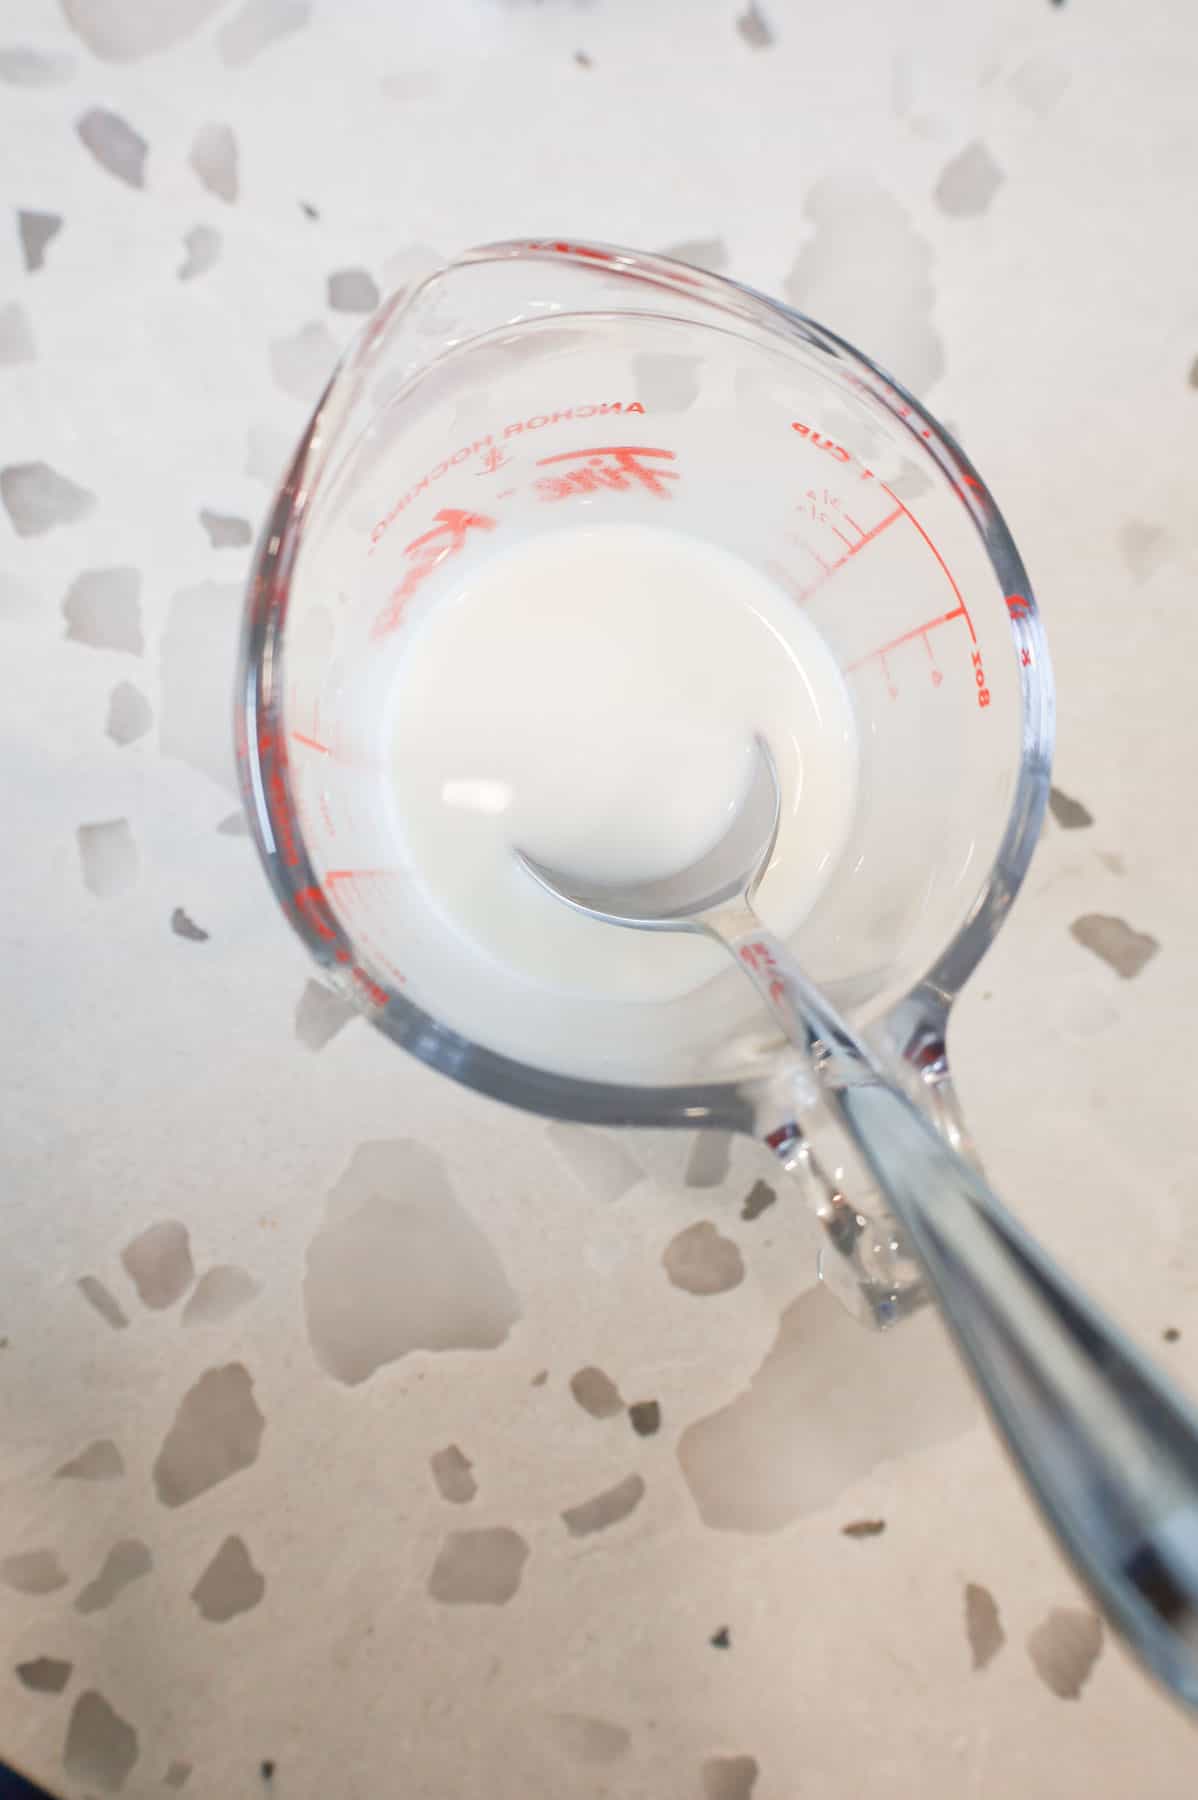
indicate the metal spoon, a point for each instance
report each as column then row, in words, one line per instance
column 1108, row 1445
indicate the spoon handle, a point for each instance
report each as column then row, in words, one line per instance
column 1107, row 1444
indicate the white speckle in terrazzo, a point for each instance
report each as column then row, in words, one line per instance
column 603, row 1510
column 129, row 714
column 102, row 1301
column 124, row 30
column 268, row 452
column 302, row 363
column 114, row 144
column 866, row 271
column 44, row 1674
column 17, row 598
column 597, row 1160
column 21, row 66
column 126, row 1562
column 413, row 84
column 33, row 1572
column 217, row 1432
column 707, row 1165
column 213, row 157
column 16, row 335
column 320, row 1014
column 108, row 857
column 596, row 1393
column 230, row 1585
column 779, row 1453
column 585, row 1739
column 37, row 498
column 700, row 1261
column 219, row 1293
column 202, row 249
column 399, row 1265
column 36, row 230
column 158, row 1262
column 700, row 253
column 452, row 1472
column 101, row 1747
column 258, row 24
column 353, row 291
column 1064, row 1650
column 199, row 655
column 102, row 608
column 225, row 531
column 101, row 1461
column 983, row 1627
column 729, row 1777
column 969, row 182
column 479, row 1568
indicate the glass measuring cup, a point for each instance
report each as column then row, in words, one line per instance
column 534, row 384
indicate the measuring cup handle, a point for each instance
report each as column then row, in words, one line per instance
column 1107, row 1444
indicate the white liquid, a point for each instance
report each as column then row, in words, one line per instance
column 591, row 696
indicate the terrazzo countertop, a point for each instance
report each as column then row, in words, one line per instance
column 361, row 1437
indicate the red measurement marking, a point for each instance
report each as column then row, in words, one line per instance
column 1025, row 658
column 821, row 443
column 426, row 554
column 624, row 470
column 908, row 637
column 312, row 743
column 1017, row 606
column 485, row 446
column 964, row 610
column 332, row 876
column 493, row 459
column 867, row 537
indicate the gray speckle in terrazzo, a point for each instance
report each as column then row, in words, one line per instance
column 16, row 335
column 258, row 24
column 201, row 250
column 36, row 231
column 184, row 926
column 603, row 1510
column 216, row 1433
column 102, row 608
column 125, row 1563
column 108, row 857
column 213, row 157
column 225, row 531
column 24, row 67
column 353, row 291
column 218, row 1294
column 37, row 498
column 1125, row 950
column 230, row 1585
column 968, row 183
column 1064, row 1650
column 126, row 30
column 158, row 1262
column 115, row 145
column 101, row 1748
column 130, row 715
column 700, row 1261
